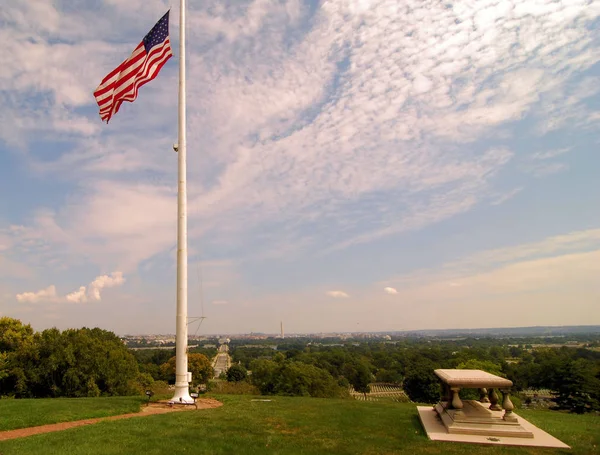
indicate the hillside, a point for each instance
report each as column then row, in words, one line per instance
column 287, row 425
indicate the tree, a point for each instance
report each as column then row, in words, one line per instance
column 236, row 373
column 421, row 385
column 13, row 334
column 390, row 376
column 359, row 375
column 74, row 363
column 198, row 365
column 301, row 379
column 263, row 375
column 579, row 387
column 293, row 378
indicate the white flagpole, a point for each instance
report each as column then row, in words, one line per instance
column 182, row 377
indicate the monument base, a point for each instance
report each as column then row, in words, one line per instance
column 437, row 431
column 476, row 418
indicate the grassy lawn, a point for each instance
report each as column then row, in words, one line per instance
column 30, row 413
column 291, row 426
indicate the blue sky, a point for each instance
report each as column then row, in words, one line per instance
column 352, row 165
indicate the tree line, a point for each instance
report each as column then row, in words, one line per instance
column 95, row 362
column 80, row 363
column 300, row 367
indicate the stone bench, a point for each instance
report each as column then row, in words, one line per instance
column 477, row 416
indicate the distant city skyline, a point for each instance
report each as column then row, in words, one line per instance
column 541, row 331
column 352, row 166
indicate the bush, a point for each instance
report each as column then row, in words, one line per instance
column 143, row 382
column 198, row 365
column 294, row 378
column 421, row 385
column 236, row 373
column 161, row 388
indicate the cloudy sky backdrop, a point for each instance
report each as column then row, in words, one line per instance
column 352, row 164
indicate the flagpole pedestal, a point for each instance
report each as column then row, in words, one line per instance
column 182, row 395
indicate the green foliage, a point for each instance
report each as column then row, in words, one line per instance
column 150, row 361
column 198, row 364
column 246, row 355
column 573, row 374
column 421, row 385
column 74, row 363
column 161, row 388
column 143, row 382
column 208, row 352
column 14, row 334
column 293, row 378
column 388, row 376
column 236, row 373
column 358, row 375
column 93, row 362
column 579, row 387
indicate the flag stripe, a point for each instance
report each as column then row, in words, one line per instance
column 138, row 54
column 129, row 93
column 105, row 95
column 142, row 66
column 128, row 68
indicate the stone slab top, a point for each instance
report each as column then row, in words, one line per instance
column 472, row 378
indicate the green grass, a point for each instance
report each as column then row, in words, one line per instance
column 294, row 426
column 30, row 413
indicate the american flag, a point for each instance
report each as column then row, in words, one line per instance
column 123, row 83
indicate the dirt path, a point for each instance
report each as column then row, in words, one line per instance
column 152, row 409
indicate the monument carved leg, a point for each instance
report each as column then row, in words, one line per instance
column 493, row 396
column 456, row 401
column 483, row 395
column 508, row 406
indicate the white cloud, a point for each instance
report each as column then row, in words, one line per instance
column 390, row 290
column 337, row 294
column 44, row 295
column 104, row 281
column 78, row 296
column 83, row 294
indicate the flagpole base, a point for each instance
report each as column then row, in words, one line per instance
column 182, row 394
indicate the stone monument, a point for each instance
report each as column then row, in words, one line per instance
column 486, row 420
column 484, row 416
